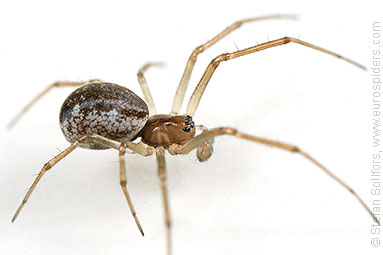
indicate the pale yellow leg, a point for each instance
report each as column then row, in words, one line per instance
column 12, row 123
column 206, row 136
column 124, row 188
column 145, row 88
column 137, row 148
column 200, row 88
column 160, row 153
column 180, row 93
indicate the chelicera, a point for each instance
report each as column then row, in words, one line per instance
column 100, row 115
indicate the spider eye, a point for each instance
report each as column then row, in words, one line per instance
column 186, row 129
column 188, row 118
column 190, row 123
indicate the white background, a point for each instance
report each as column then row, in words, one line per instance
column 248, row 198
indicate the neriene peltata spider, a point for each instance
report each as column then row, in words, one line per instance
column 101, row 115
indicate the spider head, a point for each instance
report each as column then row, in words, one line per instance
column 165, row 130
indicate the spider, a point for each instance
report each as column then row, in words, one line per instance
column 100, row 115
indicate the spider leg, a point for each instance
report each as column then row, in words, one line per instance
column 160, row 153
column 12, row 123
column 97, row 139
column 206, row 136
column 180, row 93
column 200, row 88
column 145, row 88
column 203, row 152
column 124, row 188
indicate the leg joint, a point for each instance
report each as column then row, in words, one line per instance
column 223, row 57
column 162, row 175
column 227, row 130
column 122, row 149
column 295, row 149
column 123, row 183
column 198, row 50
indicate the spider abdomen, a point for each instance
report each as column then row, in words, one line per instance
column 106, row 109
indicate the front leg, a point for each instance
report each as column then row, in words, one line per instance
column 204, row 137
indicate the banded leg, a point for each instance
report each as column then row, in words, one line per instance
column 200, row 88
column 206, row 136
column 86, row 138
column 145, row 88
column 180, row 93
column 12, row 123
column 160, row 153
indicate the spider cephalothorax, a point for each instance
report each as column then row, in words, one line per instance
column 165, row 130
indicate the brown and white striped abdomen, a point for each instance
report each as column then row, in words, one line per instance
column 105, row 109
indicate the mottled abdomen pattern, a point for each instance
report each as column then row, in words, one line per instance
column 105, row 109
